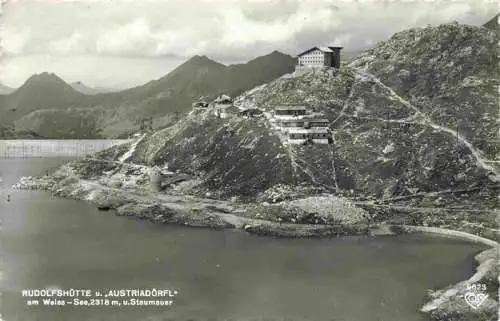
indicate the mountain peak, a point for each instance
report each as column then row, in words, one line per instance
column 270, row 58
column 201, row 60
column 276, row 52
column 194, row 64
column 45, row 77
column 45, row 81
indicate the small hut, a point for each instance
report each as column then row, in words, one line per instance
column 200, row 105
column 316, row 123
column 226, row 111
column 309, row 136
column 251, row 112
column 287, row 112
column 223, row 99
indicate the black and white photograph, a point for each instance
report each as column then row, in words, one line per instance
column 249, row 160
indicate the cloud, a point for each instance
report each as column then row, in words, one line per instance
column 71, row 45
column 14, row 40
column 238, row 29
column 225, row 30
column 134, row 38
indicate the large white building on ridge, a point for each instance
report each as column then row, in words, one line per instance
column 320, row 57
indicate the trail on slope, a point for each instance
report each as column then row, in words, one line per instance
column 305, row 170
column 425, row 120
column 129, row 153
column 347, row 101
column 334, row 173
column 293, row 161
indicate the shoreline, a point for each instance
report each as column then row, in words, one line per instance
column 189, row 211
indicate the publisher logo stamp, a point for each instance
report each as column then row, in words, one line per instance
column 474, row 300
column 475, row 296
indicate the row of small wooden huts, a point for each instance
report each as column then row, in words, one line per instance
column 295, row 122
column 301, row 127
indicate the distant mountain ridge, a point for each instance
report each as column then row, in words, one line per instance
column 4, row 90
column 169, row 97
column 118, row 112
column 39, row 92
column 84, row 89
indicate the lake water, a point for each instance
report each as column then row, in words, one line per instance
column 220, row 275
column 50, row 148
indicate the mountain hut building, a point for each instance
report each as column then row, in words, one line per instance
column 225, row 111
column 287, row 112
column 304, row 136
column 320, row 57
column 251, row 112
column 200, row 105
column 223, row 99
column 303, row 123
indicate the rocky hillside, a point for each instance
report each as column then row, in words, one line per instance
column 70, row 123
column 235, row 156
column 446, row 74
column 47, row 96
column 493, row 23
column 415, row 114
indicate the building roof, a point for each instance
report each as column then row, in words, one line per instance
column 251, row 111
column 223, row 98
column 322, row 120
column 290, row 108
column 324, row 49
column 200, row 105
column 291, row 120
column 322, row 130
column 302, row 121
column 230, row 109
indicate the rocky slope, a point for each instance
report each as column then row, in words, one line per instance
column 493, row 23
column 394, row 135
column 449, row 75
column 416, row 114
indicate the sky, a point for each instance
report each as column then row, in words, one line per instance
column 125, row 43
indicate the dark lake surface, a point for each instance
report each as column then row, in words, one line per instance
column 48, row 242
